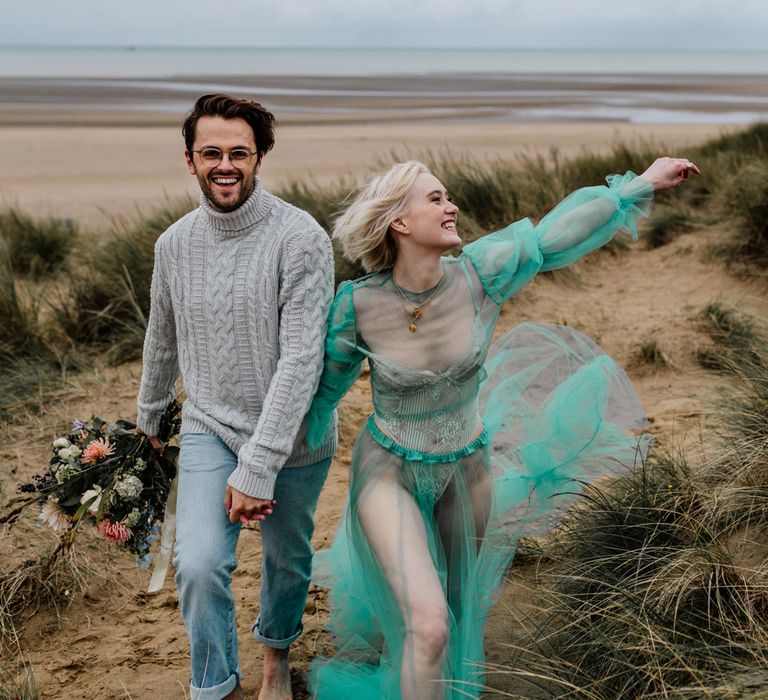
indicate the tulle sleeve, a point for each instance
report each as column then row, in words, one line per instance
column 341, row 365
column 588, row 218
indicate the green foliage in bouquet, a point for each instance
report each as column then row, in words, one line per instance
column 107, row 473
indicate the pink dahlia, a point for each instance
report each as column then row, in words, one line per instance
column 53, row 516
column 116, row 533
column 96, row 450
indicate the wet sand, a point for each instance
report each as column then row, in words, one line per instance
column 434, row 98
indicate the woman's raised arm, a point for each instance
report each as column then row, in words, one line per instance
column 585, row 220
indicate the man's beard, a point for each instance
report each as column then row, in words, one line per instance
column 247, row 185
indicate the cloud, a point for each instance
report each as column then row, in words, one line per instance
column 391, row 23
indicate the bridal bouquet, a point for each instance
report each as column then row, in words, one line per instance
column 107, row 474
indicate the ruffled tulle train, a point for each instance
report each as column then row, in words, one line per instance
column 557, row 413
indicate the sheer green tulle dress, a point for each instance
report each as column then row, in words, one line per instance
column 469, row 446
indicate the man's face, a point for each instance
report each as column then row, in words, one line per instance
column 225, row 185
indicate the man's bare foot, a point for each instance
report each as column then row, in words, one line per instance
column 276, row 681
column 236, row 694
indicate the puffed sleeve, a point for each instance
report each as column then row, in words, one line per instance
column 341, row 365
column 505, row 261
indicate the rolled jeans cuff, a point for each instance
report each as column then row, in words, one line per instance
column 215, row 692
column 275, row 643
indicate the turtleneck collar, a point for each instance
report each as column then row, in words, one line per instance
column 235, row 223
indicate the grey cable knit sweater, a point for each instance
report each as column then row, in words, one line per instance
column 239, row 305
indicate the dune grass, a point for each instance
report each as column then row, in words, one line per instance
column 36, row 247
column 665, row 224
column 645, row 597
column 17, row 682
column 649, row 593
column 30, row 362
column 744, row 201
column 735, row 336
column 741, row 357
column 108, row 298
column 50, row 579
column 322, row 201
column 650, row 354
column 752, row 140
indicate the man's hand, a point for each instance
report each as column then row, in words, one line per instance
column 153, row 440
column 245, row 508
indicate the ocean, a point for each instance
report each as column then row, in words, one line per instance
column 135, row 62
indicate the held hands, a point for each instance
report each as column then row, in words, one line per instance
column 669, row 172
column 245, row 508
column 238, row 506
column 153, row 440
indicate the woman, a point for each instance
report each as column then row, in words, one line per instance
column 463, row 454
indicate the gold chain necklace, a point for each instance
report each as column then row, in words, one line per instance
column 417, row 311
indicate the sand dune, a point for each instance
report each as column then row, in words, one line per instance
column 114, row 641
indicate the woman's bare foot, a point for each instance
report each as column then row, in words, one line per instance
column 276, row 680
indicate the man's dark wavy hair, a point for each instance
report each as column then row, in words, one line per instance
column 261, row 121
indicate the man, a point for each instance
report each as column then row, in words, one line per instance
column 240, row 293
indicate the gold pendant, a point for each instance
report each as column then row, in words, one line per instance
column 416, row 312
column 412, row 327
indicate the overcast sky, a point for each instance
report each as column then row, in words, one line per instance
column 615, row 24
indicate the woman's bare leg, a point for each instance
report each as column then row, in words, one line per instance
column 462, row 532
column 394, row 527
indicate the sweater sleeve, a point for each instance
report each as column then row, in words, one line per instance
column 160, row 366
column 306, row 289
column 588, row 218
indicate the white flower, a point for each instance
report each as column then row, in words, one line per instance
column 70, row 453
column 60, row 443
column 140, row 465
column 65, row 471
column 96, row 494
column 132, row 519
column 129, row 487
column 53, row 516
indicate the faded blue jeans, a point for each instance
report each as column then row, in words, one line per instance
column 204, row 559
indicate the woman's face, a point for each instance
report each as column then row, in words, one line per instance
column 430, row 216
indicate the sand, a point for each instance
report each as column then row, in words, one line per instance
column 113, row 640
column 93, row 173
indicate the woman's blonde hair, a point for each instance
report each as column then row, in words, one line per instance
column 363, row 228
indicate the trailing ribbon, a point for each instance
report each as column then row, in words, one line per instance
column 166, row 541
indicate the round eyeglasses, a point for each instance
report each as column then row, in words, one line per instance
column 211, row 156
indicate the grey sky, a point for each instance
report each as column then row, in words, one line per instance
column 615, row 24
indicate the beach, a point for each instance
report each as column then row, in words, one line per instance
column 85, row 151
column 89, row 147
column 94, row 173
column 93, row 147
